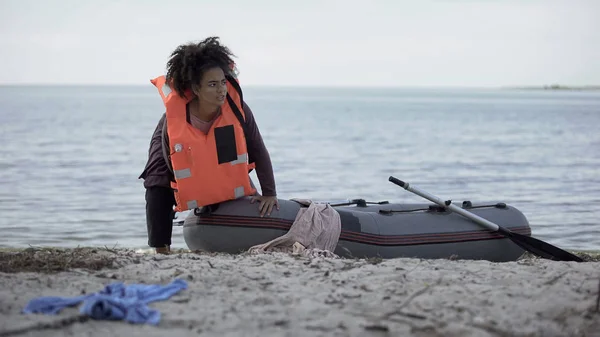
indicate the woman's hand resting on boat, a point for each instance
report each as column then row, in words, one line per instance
column 265, row 204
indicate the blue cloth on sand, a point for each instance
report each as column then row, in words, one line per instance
column 116, row 301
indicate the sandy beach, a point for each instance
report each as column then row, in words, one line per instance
column 278, row 294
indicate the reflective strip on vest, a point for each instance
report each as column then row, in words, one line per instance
column 238, row 192
column 241, row 159
column 181, row 174
column 166, row 90
column 192, row 204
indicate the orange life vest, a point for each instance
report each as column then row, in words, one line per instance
column 208, row 168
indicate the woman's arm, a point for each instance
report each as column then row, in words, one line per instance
column 159, row 194
column 260, row 154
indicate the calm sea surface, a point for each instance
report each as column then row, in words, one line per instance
column 70, row 156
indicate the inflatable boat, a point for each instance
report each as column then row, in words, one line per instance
column 369, row 229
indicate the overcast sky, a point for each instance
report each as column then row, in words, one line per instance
column 308, row 42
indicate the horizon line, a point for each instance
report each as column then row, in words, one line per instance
column 553, row 86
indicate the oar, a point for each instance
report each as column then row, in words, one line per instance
column 533, row 245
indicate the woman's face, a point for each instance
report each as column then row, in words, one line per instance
column 213, row 87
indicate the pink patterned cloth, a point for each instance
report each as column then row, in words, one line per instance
column 315, row 232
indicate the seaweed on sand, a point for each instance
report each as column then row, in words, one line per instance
column 52, row 260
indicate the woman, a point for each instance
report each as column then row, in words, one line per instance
column 205, row 144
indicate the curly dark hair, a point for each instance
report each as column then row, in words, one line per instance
column 189, row 62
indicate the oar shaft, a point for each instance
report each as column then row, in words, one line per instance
column 490, row 225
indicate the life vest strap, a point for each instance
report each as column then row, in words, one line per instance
column 238, row 192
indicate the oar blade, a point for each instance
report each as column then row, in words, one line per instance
column 543, row 249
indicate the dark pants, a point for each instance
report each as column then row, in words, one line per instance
column 159, row 216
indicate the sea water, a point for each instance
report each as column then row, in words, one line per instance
column 71, row 155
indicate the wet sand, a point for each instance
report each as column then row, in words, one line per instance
column 278, row 294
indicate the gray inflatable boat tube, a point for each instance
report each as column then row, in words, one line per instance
column 381, row 230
